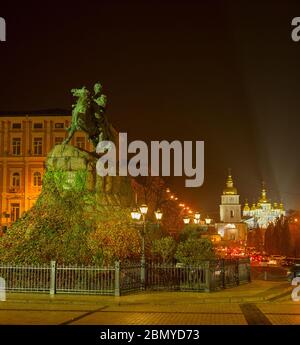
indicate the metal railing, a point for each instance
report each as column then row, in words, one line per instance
column 85, row 280
column 33, row 278
column 125, row 277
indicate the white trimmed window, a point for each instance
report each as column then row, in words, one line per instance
column 16, row 146
column 38, row 146
column 37, row 179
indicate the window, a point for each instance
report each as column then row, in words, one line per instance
column 231, row 214
column 80, row 142
column 37, row 179
column 15, row 181
column 16, row 125
column 59, row 125
column 58, row 140
column 16, row 146
column 37, row 146
column 38, row 125
column 15, row 212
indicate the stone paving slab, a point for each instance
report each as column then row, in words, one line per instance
column 226, row 307
column 284, row 319
column 31, row 317
column 127, row 318
column 187, row 308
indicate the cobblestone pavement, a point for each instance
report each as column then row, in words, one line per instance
column 260, row 306
column 265, row 313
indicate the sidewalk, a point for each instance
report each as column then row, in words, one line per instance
column 259, row 302
column 256, row 291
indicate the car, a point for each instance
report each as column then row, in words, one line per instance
column 288, row 262
column 276, row 259
column 294, row 271
column 264, row 261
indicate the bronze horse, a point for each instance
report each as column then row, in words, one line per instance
column 88, row 115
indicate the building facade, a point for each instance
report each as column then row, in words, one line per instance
column 231, row 227
column 25, row 140
column 263, row 212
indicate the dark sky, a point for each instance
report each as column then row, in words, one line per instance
column 226, row 72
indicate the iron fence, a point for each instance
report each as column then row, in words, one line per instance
column 85, row 280
column 26, row 278
column 176, row 277
column 125, row 277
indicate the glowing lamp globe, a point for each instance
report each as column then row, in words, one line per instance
column 186, row 220
column 135, row 214
column 207, row 220
column 158, row 214
column 144, row 209
column 197, row 215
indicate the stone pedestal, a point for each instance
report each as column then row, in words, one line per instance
column 75, row 169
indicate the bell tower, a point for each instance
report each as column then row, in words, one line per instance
column 230, row 208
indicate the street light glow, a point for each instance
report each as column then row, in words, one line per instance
column 197, row 215
column 158, row 214
column 135, row 214
column 144, row 209
column 186, row 220
column 207, row 220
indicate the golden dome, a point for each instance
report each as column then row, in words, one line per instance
column 263, row 198
column 275, row 205
column 230, row 189
column 281, row 206
column 246, row 207
column 253, row 207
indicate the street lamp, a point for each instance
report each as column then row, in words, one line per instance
column 196, row 221
column 197, row 215
column 158, row 215
column 136, row 215
column 207, row 220
column 144, row 209
column 186, row 220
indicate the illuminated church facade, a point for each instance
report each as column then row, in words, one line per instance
column 263, row 212
column 231, row 228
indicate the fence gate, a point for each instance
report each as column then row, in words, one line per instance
column 175, row 277
column 130, row 277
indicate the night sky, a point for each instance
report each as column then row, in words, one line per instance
column 226, row 72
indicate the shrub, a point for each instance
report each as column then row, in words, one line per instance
column 193, row 251
column 165, row 248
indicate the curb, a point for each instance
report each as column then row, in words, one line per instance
column 118, row 300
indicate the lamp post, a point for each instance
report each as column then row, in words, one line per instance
column 136, row 214
column 207, row 220
column 196, row 220
column 186, row 220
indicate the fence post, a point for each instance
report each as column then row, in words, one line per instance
column 237, row 271
column 53, row 278
column 207, row 276
column 223, row 273
column 117, row 278
column 249, row 270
